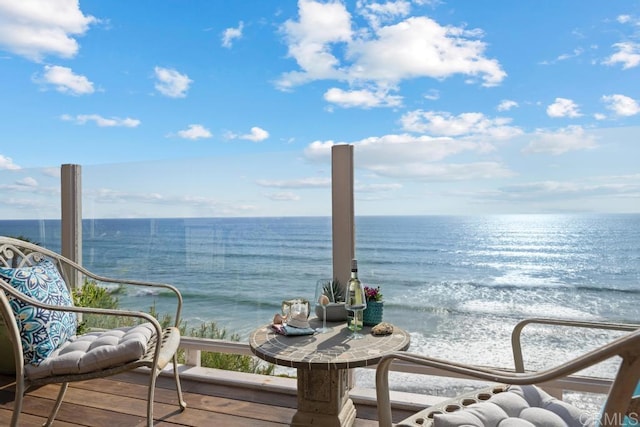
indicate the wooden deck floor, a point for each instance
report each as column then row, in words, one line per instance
column 122, row 402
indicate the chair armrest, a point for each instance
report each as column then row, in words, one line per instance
column 128, row 282
column 627, row 347
column 90, row 310
column 517, row 332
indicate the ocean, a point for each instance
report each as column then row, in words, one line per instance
column 458, row 283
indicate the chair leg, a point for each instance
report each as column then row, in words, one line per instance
column 150, row 396
column 56, row 406
column 17, row 403
column 176, row 376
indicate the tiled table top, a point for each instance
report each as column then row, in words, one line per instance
column 332, row 350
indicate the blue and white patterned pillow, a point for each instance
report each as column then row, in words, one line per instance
column 41, row 331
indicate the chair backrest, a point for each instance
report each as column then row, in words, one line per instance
column 10, row 348
column 628, row 348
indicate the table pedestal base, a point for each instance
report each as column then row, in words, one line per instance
column 323, row 399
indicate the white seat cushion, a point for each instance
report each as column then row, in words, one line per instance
column 95, row 351
column 519, row 406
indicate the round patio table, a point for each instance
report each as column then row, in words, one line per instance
column 323, row 362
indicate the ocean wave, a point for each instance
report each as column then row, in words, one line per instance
column 220, row 300
column 529, row 283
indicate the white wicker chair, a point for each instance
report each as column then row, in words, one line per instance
column 92, row 355
column 515, row 390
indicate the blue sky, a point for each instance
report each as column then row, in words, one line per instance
column 230, row 108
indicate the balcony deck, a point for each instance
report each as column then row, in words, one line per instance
column 122, row 401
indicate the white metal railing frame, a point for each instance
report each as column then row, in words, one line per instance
column 194, row 347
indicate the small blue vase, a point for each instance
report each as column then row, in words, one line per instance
column 372, row 315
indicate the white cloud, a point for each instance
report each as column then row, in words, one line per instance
column 201, row 206
column 37, row 28
column 376, row 188
column 465, row 124
column 571, row 138
column 432, row 95
column 283, row 197
column 231, row 34
column 401, row 149
column 506, row 105
column 195, row 132
column 410, row 157
column 443, row 171
column 30, row 185
column 66, row 81
column 171, row 83
column 82, row 119
column 27, row 182
column 296, row 183
column 621, row 105
column 6, row 163
column 623, row 19
column 628, row 55
column 51, row 171
column 429, row 50
column 325, row 47
column 377, row 13
column 576, row 52
column 361, row 98
column 563, row 107
column 256, row 135
column 607, row 186
column 309, row 41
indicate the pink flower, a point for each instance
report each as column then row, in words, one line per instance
column 372, row 294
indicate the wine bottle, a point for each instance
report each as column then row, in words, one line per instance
column 356, row 291
column 356, row 301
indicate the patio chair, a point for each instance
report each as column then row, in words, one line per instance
column 41, row 321
column 517, row 398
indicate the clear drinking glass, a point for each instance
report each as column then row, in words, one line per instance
column 324, row 296
column 356, row 302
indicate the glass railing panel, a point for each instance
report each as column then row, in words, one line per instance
column 235, row 236
column 30, row 204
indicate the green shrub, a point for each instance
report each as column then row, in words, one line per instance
column 90, row 294
column 229, row 362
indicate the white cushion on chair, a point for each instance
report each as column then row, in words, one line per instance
column 95, row 351
column 520, row 406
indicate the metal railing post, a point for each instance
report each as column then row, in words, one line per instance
column 343, row 222
column 71, row 217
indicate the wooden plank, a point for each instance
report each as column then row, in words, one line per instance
column 284, row 404
column 39, row 402
column 122, row 401
column 206, row 388
column 29, row 420
column 270, row 399
column 167, row 399
column 130, row 399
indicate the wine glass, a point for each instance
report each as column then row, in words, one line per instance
column 324, row 301
column 356, row 302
